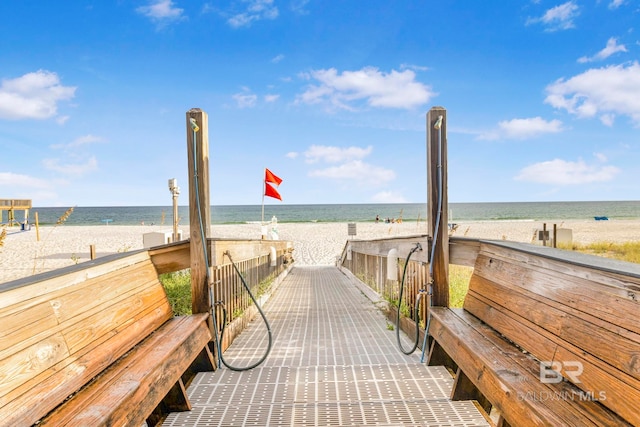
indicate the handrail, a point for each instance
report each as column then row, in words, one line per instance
column 367, row 260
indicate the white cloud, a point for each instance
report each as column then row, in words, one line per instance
column 616, row 4
column 33, row 96
column 388, row 197
column 75, row 169
column 256, row 10
column 271, row 98
column 162, row 12
column 607, row 119
column 559, row 17
column 413, row 67
column 386, row 90
column 277, row 58
column 78, row 142
column 563, row 172
column 245, row 99
column 600, row 156
column 358, row 172
column 292, row 154
column 523, row 128
column 331, row 154
column 298, row 6
column 606, row 91
column 611, row 48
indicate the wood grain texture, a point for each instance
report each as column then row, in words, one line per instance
column 598, row 414
column 128, row 392
column 558, row 315
column 32, row 287
column 561, row 312
column 61, row 338
column 437, row 165
column 508, row 378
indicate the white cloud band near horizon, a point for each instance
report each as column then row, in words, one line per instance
column 76, row 169
column 563, row 172
column 357, row 171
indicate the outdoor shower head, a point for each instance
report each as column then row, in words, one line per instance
column 194, row 125
column 438, row 123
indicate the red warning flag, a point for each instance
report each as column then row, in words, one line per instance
column 270, row 177
column 271, row 192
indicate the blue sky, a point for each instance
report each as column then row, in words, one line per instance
column 542, row 99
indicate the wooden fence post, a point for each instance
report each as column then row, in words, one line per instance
column 199, row 219
column 440, row 257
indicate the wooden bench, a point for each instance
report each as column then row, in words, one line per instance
column 96, row 344
column 547, row 337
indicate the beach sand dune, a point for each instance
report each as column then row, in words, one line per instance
column 314, row 243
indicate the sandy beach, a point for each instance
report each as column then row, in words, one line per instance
column 314, row 243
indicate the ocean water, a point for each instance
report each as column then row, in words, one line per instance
column 458, row 212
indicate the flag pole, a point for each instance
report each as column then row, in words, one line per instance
column 264, row 182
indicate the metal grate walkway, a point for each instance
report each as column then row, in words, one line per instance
column 334, row 363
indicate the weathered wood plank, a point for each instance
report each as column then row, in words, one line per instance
column 104, row 291
column 129, row 391
column 29, row 363
column 586, row 296
column 520, row 330
column 78, row 303
column 577, row 326
column 612, row 391
column 490, row 374
column 496, row 369
column 598, row 414
column 172, row 257
column 463, row 251
column 33, row 320
column 109, row 320
column 34, row 398
column 17, row 291
column 199, row 206
column 437, row 178
column 622, row 278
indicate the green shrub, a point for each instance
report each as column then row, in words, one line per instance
column 178, row 288
column 459, row 277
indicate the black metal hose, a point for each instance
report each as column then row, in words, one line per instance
column 212, row 305
column 224, row 322
column 417, row 308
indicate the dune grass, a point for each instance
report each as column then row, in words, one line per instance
column 459, row 277
column 627, row 251
column 178, row 288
